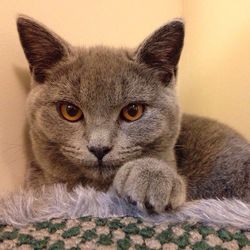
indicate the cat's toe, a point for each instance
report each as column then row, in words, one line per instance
column 168, row 208
column 149, row 207
column 178, row 194
column 131, row 201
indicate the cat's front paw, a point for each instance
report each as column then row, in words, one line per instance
column 150, row 184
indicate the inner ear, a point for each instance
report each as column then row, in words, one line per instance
column 43, row 49
column 161, row 51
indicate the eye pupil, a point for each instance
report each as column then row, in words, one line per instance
column 132, row 110
column 71, row 110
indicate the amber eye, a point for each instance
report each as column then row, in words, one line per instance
column 69, row 111
column 132, row 112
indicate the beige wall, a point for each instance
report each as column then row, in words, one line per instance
column 215, row 67
column 214, row 73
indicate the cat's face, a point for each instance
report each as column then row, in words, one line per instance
column 92, row 110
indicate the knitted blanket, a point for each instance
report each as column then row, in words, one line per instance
column 86, row 219
column 121, row 233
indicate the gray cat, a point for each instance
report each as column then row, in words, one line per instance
column 109, row 118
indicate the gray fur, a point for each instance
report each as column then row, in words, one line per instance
column 27, row 207
column 157, row 160
column 214, row 158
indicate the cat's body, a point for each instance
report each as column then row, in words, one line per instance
column 109, row 118
column 214, row 158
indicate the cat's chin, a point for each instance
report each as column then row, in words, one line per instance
column 100, row 171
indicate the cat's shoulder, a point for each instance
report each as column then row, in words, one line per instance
column 202, row 128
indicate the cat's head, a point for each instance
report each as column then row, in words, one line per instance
column 90, row 110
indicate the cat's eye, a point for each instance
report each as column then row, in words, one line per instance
column 132, row 112
column 69, row 111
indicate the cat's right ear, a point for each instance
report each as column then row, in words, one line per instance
column 161, row 51
column 43, row 49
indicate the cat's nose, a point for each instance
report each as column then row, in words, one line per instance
column 99, row 152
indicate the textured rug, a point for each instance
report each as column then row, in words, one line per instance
column 121, row 233
column 53, row 218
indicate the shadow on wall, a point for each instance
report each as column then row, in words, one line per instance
column 16, row 151
column 24, row 78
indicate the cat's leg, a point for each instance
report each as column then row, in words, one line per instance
column 151, row 183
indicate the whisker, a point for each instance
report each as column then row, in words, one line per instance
column 70, row 149
column 66, row 145
column 130, row 148
column 130, row 152
column 14, row 147
column 17, row 159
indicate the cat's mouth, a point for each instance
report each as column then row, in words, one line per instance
column 104, row 165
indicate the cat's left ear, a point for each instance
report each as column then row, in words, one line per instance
column 42, row 47
column 161, row 51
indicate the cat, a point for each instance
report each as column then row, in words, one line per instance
column 109, row 118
